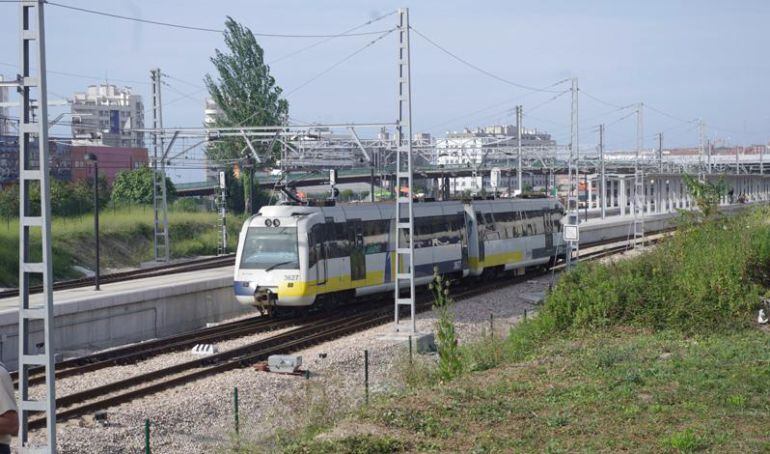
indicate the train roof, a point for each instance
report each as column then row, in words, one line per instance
column 384, row 210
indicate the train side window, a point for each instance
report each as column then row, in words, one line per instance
column 339, row 244
column 441, row 230
column 519, row 224
column 311, row 242
column 530, row 223
column 375, row 237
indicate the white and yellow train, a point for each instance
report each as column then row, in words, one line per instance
column 294, row 256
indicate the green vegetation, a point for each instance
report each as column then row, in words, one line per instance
column 247, row 95
column 705, row 278
column 449, row 364
column 126, row 240
column 245, row 91
column 653, row 353
column 67, row 198
column 135, row 187
column 706, row 194
column 616, row 390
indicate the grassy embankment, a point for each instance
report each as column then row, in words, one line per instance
column 126, row 240
column 656, row 353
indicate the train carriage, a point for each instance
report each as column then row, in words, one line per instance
column 299, row 255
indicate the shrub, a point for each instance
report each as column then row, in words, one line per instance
column 449, row 360
column 706, row 277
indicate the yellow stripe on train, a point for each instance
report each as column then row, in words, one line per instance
column 288, row 289
column 496, row 259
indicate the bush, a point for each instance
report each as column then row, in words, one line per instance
column 449, row 359
column 135, row 187
column 706, row 277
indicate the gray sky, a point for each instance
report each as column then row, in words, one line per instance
column 692, row 59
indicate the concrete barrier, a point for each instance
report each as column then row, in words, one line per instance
column 86, row 320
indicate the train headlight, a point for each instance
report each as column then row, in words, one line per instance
column 268, row 223
column 276, row 223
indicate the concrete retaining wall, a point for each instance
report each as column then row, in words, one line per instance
column 108, row 320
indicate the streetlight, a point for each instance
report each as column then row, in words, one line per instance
column 92, row 157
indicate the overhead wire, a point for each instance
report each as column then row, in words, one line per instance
column 83, row 76
column 203, row 29
column 338, row 63
column 479, row 69
column 327, row 39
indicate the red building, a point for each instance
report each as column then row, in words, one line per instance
column 111, row 161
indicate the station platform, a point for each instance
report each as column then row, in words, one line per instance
column 123, row 312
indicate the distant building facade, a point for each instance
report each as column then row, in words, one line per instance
column 67, row 162
column 112, row 160
column 60, row 166
column 106, row 114
column 491, row 146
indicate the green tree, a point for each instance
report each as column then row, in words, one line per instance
column 135, row 186
column 706, row 195
column 247, row 95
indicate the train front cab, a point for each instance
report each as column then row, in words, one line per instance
column 271, row 269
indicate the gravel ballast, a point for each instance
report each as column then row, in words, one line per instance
column 198, row 417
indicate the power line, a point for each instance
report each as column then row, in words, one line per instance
column 83, row 76
column 601, row 101
column 318, row 43
column 481, row 70
column 339, row 62
column 203, row 29
column 666, row 114
column 548, row 101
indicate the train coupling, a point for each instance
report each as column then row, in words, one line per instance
column 264, row 300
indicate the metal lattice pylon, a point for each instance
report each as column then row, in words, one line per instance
column 639, row 194
column 33, row 170
column 222, row 217
column 404, row 266
column 573, row 247
column 159, row 198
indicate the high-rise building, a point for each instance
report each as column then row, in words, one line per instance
column 108, row 115
column 210, row 113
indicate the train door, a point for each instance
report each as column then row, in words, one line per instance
column 357, row 254
column 548, row 224
column 322, row 233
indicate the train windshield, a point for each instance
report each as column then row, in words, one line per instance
column 270, row 248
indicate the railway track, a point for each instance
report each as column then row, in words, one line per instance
column 143, row 350
column 163, row 270
column 303, row 332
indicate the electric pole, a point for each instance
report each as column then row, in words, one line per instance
column 603, row 177
column 639, row 196
column 33, row 170
column 404, row 212
column 702, row 150
column 159, row 198
column 571, row 231
column 518, row 148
